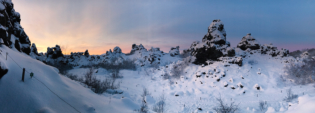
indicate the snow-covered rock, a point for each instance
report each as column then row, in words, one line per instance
column 11, row 31
column 248, row 42
column 174, row 51
column 213, row 45
column 137, row 48
column 273, row 51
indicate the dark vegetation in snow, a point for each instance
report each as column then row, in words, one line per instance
column 225, row 108
column 298, row 53
column 144, row 105
column 263, row 105
column 97, row 86
column 301, row 74
column 290, row 96
column 159, row 107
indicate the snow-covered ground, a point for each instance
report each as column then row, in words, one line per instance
column 263, row 71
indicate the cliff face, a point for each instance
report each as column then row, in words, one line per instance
column 11, row 31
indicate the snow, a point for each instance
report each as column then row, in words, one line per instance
column 270, row 110
column 200, row 92
column 32, row 96
column 2, row 7
column 305, row 104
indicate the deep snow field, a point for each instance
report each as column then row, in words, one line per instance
column 193, row 93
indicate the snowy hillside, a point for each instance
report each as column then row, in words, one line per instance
column 31, row 96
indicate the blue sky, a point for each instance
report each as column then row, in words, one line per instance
column 99, row 25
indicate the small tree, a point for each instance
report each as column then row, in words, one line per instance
column 89, row 76
column 144, row 106
column 290, row 96
column 263, row 105
column 159, row 107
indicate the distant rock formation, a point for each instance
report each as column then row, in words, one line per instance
column 213, row 45
column 117, row 50
column 137, row 48
column 248, row 42
column 251, row 45
column 174, row 51
column 86, row 53
column 11, row 31
column 273, row 51
column 54, row 52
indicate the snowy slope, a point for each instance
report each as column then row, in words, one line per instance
column 32, row 96
column 200, row 92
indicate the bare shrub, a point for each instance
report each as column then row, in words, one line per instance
column 225, row 108
column 263, row 105
column 301, row 74
column 144, row 105
column 159, row 107
column 115, row 73
column 89, row 78
column 290, row 96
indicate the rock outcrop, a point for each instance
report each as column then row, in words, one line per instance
column 273, row 51
column 54, row 52
column 251, row 45
column 11, row 31
column 86, row 53
column 174, row 51
column 213, row 45
column 137, row 48
column 248, row 42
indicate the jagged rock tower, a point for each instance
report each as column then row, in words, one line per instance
column 213, row 45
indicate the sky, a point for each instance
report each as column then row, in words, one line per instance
column 100, row 25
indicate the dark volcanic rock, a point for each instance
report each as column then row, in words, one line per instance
column 86, row 53
column 248, row 42
column 11, row 30
column 54, row 52
column 213, row 45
